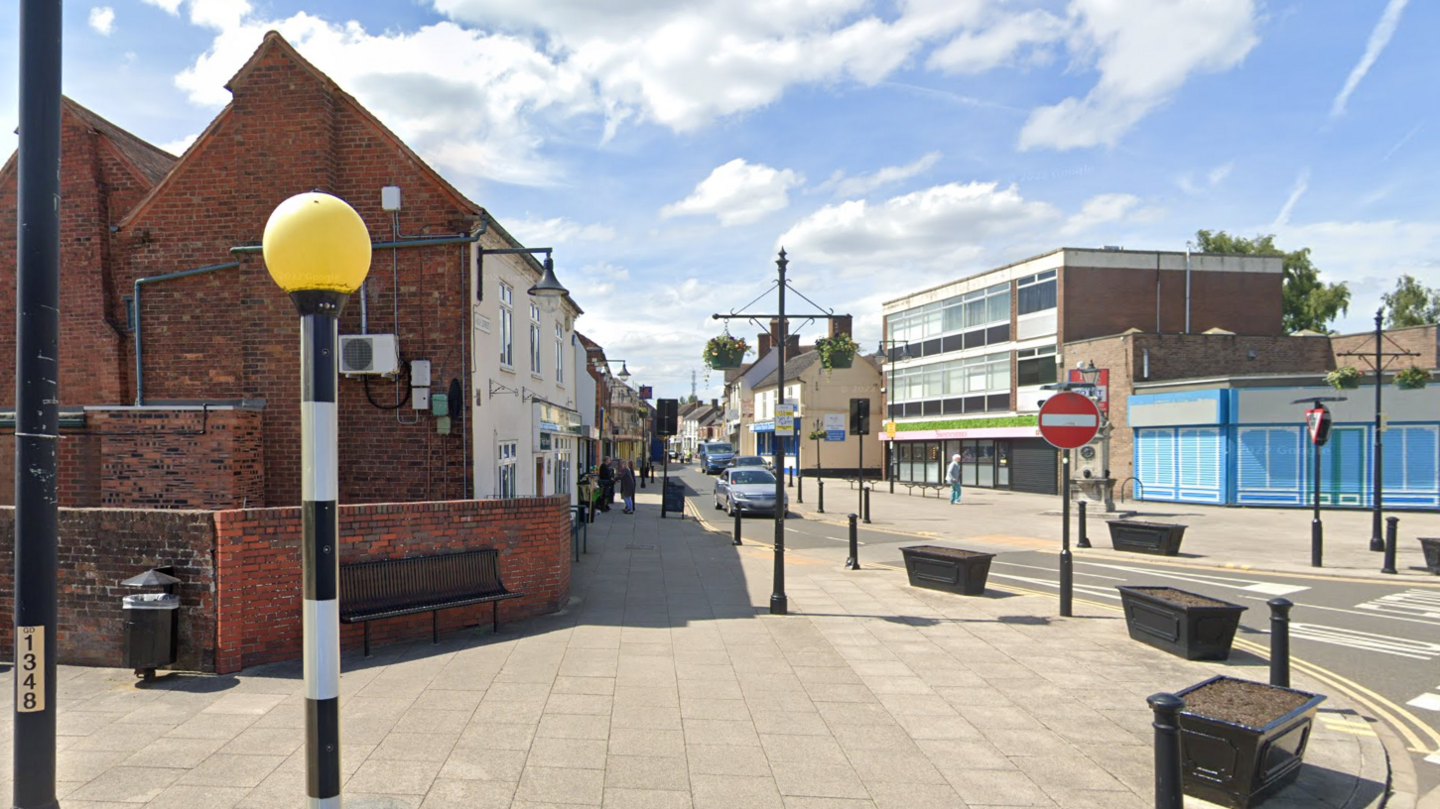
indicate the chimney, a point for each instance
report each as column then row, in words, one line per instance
column 841, row 325
column 715, row 403
column 762, row 346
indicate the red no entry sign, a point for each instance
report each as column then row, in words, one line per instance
column 1069, row 420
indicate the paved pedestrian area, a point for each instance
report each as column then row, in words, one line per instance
column 667, row 684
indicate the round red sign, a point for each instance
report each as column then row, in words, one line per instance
column 1069, row 420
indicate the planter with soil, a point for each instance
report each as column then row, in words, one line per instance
column 1241, row 741
column 1159, row 538
column 949, row 569
column 1182, row 623
column 1431, row 546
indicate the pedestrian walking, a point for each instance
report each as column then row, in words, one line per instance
column 953, row 475
column 607, row 485
column 627, row 485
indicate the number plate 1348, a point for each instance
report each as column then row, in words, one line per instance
column 29, row 669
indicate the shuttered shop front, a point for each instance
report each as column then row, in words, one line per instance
column 1034, row 467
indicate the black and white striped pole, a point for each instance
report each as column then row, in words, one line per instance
column 317, row 249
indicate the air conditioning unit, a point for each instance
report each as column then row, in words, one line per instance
column 369, row 354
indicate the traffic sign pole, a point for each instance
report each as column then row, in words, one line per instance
column 1068, row 421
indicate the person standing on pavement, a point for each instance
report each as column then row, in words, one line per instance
column 627, row 486
column 607, row 485
column 953, row 475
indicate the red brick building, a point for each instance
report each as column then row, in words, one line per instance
column 206, row 415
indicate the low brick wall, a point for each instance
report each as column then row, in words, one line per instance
column 240, row 572
column 258, row 567
column 98, row 548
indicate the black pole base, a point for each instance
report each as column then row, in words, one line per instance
column 779, row 605
column 1391, row 529
column 1317, row 543
column 1377, row 544
column 1084, row 540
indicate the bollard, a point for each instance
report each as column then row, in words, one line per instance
column 1280, row 641
column 1168, row 774
column 853, row 562
column 1392, row 526
column 737, row 526
column 1084, row 540
column 867, row 505
column 800, row 489
column 820, row 501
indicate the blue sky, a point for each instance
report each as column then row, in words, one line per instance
column 667, row 148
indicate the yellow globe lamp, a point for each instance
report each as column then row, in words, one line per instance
column 316, row 241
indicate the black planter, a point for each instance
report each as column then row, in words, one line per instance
column 1191, row 632
column 1431, row 546
column 949, row 569
column 1239, row 766
column 1160, row 538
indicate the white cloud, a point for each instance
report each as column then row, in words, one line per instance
column 738, row 193
column 1379, row 38
column 1099, row 210
column 934, row 227
column 1218, row 174
column 178, row 147
column 1302, row 183
column 1144, row 50
column 979, row 51
column 557, row 231
column 862, row 184
column 168, row 6
column 1213, row 178
column 1369, row 256
column 102, row 20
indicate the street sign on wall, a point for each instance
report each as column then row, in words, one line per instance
column 1069, row 420
column 834, row 426
column 1102, row 387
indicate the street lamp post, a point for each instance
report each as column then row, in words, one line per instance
column 1377, row 538
column 317, row 249
column 37, row 417
column 890, row 402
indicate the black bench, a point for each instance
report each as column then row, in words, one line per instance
column 393, row 587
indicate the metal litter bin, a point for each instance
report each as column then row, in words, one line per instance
column 151, row 630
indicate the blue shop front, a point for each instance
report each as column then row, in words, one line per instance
column 1248, row 447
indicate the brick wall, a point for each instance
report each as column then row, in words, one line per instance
column 156, row 458
column 1101, row 301
column 1186, row 356
column 259, row 567
column 1424, row 341
column 100, row 548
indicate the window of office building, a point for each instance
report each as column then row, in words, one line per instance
column 979, row 309
column 1035, row 293
column 1035, row 366
column 988, row 373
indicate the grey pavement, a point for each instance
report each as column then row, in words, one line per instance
column 666, row 683
column 1255, row 538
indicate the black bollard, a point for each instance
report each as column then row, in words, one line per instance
column 853, row 562
column 1392, row 526
column 1168, row 774
column 820, row 502
column 1084, row 540
column 737, row 526
column 867, row 505
column 800, row 489
column 1280, row 641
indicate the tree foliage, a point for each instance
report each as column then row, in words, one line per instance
column 1309, row 302
column 1411, row 304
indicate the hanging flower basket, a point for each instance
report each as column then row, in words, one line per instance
column 1412, row 378
column 1346, row 377
column 724, row 352
column 836, row 352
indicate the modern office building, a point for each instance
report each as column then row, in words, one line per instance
column 969, row 358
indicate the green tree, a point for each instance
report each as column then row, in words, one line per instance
column 1309, row 302
column 1411, row 304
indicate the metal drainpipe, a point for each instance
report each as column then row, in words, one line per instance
column 135, row 302
column 1187, row 287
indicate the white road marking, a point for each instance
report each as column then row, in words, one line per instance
column 1351, row 612
column 1369, row 641
column 1433, row 758
column 1253, row 585
column 1051, row 569
column 1418, row 603
column 1429, row 701
column 1083, row 588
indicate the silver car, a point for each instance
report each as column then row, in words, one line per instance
column 747, row 490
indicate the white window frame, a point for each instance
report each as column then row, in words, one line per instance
column 507, row 329
column 507, row 473
column 534, row 339
column 559, row 354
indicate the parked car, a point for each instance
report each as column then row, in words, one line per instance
column 748, row 490
column 750, row 460
column 715, row 456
